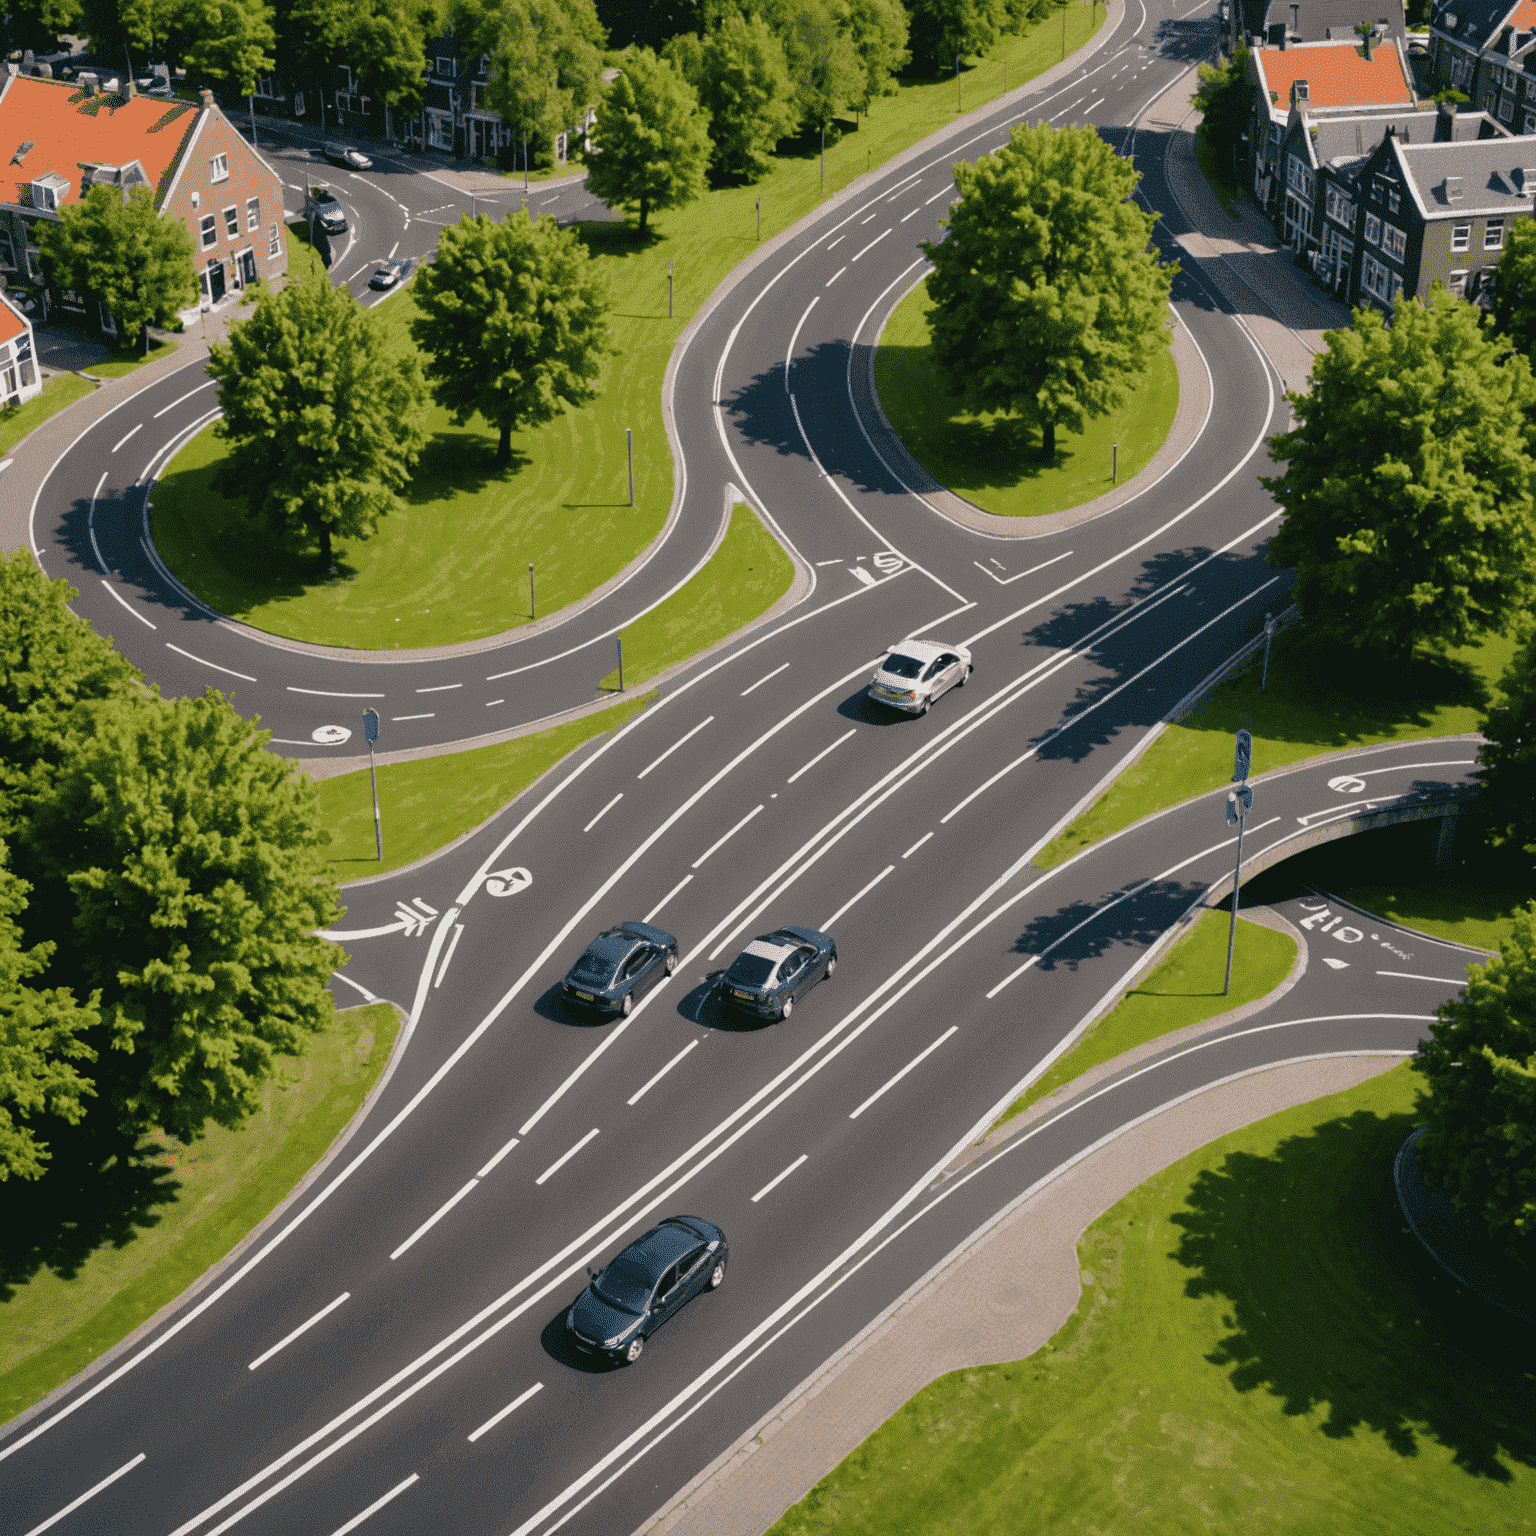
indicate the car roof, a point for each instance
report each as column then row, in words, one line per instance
column 919, row 650
column 772, row 947
column 647, row 932
column 612, row 945
column 803, row 935
column 659, row 1247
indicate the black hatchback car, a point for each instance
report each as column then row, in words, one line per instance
column 772, row 973
column 648, row 1283
column 619, row 967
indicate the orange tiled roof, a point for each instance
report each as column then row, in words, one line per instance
column 1524, row 17
column 1337, row 75
column 68, row 127
column 12, row 325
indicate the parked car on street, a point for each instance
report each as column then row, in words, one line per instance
column 775, row 971
column 320, row 205
column 619, row 967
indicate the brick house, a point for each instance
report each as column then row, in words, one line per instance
column 60, row 139
column 19, row 378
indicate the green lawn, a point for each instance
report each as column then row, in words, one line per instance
column 124, row 361
column 994, row 460
column 89, row 1254
column 1261, row 1347
column 427, row 803
column 1321, row 698
column 454, row 565
column 1184, row 989
column 59, row 390
column 746, row 576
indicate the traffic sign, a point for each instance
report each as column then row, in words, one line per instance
column 371, row 725
column 1244, row 757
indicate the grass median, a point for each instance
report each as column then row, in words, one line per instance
column 1260, row 1346
column 994, row 460
column 1185, row 989
column 88, row 1254
column 454, row 565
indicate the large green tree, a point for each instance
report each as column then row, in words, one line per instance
column 222, row 40
column 1046, row 299
column 1479, row 1110
column 742, row 79
column 1508, row 755
column 828, row 74
column 1408, row 481
column 945, row 29
column 1225, row 101
column 119, row 248
column 652, row 138
column 384, row 40
column 323, row 423
column 179, row 867
column 1514, row 294
column 878, row 31
column 512, row 320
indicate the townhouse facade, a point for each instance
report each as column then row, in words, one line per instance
column 1487, row 50
column 63, row 138
column 19, row 376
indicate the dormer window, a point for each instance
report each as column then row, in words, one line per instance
column 1455, row 188
column 50, row 191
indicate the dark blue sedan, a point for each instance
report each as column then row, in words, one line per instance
column 648, row 1283
column 619, row 967
column 773, row 972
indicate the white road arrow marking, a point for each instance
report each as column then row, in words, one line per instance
column 1335, row 965
column 407, row 921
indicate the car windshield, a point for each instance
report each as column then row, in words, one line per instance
column 750, row 970
column 902, row 666
column 621, row 1286
column 596, row 968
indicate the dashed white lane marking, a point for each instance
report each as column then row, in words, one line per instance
column 918, row 844
column 779, row 1178
column 244, row 677
column 891, row 1082
column 126, row 604
column 565, row 1157
column 433, row 1219
column 943, row 191
column 180, row 398
column 512, row 1407
column 394, row 719
column 834, row 277
column 675, row 745
column 124, row 438
column 651, row 915
column 872, row 244
column 636, row 1097
column 302, row 1329
column 320, row 693
column 852, row 901
column 1409, row 976
column 911, row 215
column 604, row 811
column 838, row 241
column 759, row 683
column 490, row 702
column 453, row 944
column 498, row 1157
column 90, row 1493
column 376, row 1506
column 824, row 751
column 821, row 563
column 440, row 688
column 1099, row 103
column 719, row 843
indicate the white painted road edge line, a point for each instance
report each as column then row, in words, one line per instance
column 303, row 1328
column 675, row 745
column 565, row 1157
column 891, row 1082
column 376, row 1506
column 789, row 355
column 433, row 1220
column 453, row 944
column 90, row 1493
column 635, row 1099
column 512, row 1407
column 1444, row 981
column 356, row 986
column 126, row 604
column 826, row 927
column 807, row 768
column 779, row 1178
column 244, row 677
column 498, row 1157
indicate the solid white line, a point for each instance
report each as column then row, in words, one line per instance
column 490, row 1165
column 119, row 443
column 826, row 927
column 728, row 836
column 1409, row 976
column 433, row 1220
column 453, row 944
column 918, row 844
column 779, row 1178
column 355, row 985
column 440, row 688
column 376, row 1506
column 303, row 1328
column 395, row 247
column 516, row 1403
column 395, row 719
column 789, row 356
column 665, row 899
column 490, row 702
column 838, row 241
column 834, row 277
column 216, row 667
column 759, row 683
column 807, row 768
column 180, row 398
column 891, row 1083
column 911, row 215
column 1099, row 103
column 604, row 811
column 676, row 744
column 126, row 604
column 90, row 1493
column 565, row 1157
column 868, row 248
column 320, row 693
column 635, row 1099
column 90, row 523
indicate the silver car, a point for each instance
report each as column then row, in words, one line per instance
column 916, row 672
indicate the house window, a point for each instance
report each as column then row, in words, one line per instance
column 298, row 103
column 218, row 168
column 253, row 213
column 485, row 65
column 7, row 251
column 1393, row 241
column 1493, row 235
column 210, row 226
column 1373, row 229
column 1461, row 236
column 1506, row 108
column 1378, row 280
column 1341, row 207
column 1458, row 283
column 1394, row 199
column 232, row 220
column 345, row 71
column 445, row 66
column 272, row 244
column 266, row 88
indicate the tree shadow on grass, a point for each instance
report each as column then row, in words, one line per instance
column 618, row 239
column 99, row 1189
column 460, row 461
column 1331, row 1306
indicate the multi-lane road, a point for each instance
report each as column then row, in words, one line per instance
column 390, row 1353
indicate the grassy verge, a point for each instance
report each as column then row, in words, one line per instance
column 59, row 390
column 1320, row 699
column 454, row 565
column 1260, row 1347
column 127, row 360
column 1185, row 989
column 746, row 576
column 425, row 804
column 994, row 460
column 135, row 1237
column 1210, row 165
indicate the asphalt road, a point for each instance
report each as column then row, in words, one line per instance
column 357, row 1356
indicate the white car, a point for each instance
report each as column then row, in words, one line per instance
column 916, row 672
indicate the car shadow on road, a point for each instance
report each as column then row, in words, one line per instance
column 865, row 711
column 555, row 1339
column 704, row 1007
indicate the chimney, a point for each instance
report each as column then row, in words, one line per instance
column 1455, row 189
column 130, row 90
column 1445, row 122
column 205, row 96
column 88, row 82
column 1300, row 92
column 1369, row 39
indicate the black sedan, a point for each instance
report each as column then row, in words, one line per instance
column 772, row 973
column 648, row 1283
column 345, row 155
column 619, row 967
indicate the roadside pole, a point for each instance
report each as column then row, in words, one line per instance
column 533, row 596
column 629, row 440
column 619, row 641
column 1269, row 634
column 1239, row 803
column 371, row 731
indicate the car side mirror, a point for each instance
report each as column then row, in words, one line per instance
column 591, row 1273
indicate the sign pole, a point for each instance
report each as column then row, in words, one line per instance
column 619, row 639
column 669, row 288
column 629, row 439
column 533, row 596
column 371, row 731
column 1269, row 634
column 1239, row 803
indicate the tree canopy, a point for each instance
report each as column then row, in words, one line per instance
column 878, row 30
column 652, row 138
column 120, row 249
column 1225, row 101
column 1514, row 294
column 1479, row 1107
column 384, row 40
column 323, row 423
column 216, row 39
column 944, row 29
column 1508, row 755
column 512, row 320
column 1408, row 481
column 1046, row 301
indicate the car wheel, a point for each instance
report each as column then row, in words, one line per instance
column 627, row 1004
column 671, row 964
column 925, row 706
column 636, row 1346
column 831, row 965
column 965, row 677
column 786, row 1008
column 717, row 1276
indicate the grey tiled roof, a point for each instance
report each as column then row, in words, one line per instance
column 1476, row 20
column 1491, row 173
